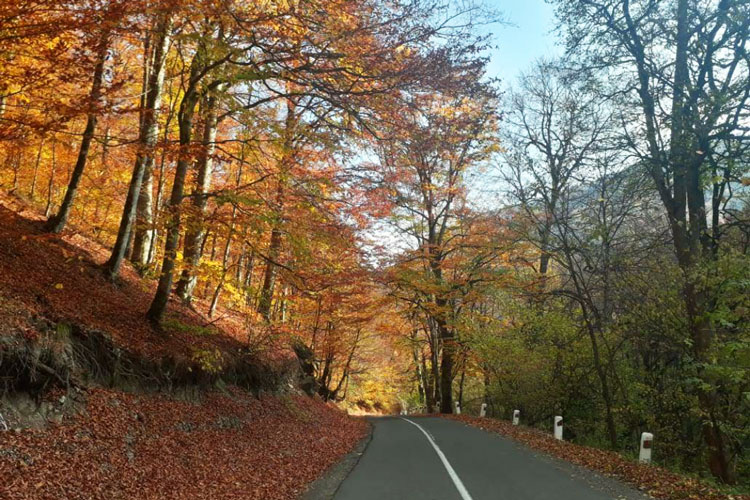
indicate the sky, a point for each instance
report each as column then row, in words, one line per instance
column 528, row 37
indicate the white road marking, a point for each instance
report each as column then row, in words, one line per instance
column 451, row 472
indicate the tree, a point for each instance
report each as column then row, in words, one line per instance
column 196, row 233
column 315, row 61
column 424, row 161
column 558, row 135
column 106, row 19
column 553, row 129
column 147, row 137
column 680, row 74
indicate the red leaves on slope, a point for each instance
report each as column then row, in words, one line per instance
column 656, row 481
column 130, row 446
column 60, row 278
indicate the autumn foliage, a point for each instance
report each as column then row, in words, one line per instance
column 129, row 446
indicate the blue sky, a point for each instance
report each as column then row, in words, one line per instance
column 528, row 37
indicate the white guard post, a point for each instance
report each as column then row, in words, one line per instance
column 516, row 416
column 483, row 411
column 558, row 428
column 458, row 408
column 647, row 440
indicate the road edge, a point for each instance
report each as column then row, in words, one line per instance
column 619, row 487
column 326, row 486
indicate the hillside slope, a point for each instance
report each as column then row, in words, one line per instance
column 96, row 402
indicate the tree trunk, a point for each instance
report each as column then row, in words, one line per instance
column 32, row 191
column 51, row 182
column 16, row 168
column 158, row 205
column 224, row 270
column 429, row 394
column 57, row 223
column 487, row 398
column 461, row 386
column 274, row 249
column 144, row 221
column 446, row 364
column 686, row 210
column 185, row 122
column 274, row 246
column 606, row 392
column 147, row 140
column 196, row 233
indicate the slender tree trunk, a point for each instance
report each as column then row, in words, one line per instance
column 222, row 279
column 228, row 245
column 196, row 233
column 487, row 398
column 435, row 361
column 16, row 168
column 34, row 177
column 461, row 386
column 57, row 223
column 212, row 257
column 239, row 271
column 51, row 182
column 3, row 99
column 417, row 366
column 606, row 391
column 144, row 222
column 247, row 280
column 147, row 139
column 274, row 247
column 429, row 394
column 158, row 205
column 185, row 121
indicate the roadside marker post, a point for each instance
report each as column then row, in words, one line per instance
column 558, row 428
column 516, row 416
column 483, row 411
column 647, row 440
column 458, row 408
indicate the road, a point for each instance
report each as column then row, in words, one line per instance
column 434, row 458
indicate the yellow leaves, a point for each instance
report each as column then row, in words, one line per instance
column 404, row 51
column 59, row 286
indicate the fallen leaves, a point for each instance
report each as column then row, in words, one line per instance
column 656, row 481
column 125, row 446
column 60, row 278
column 149, row 446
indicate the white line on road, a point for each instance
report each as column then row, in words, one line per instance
column 452, row 473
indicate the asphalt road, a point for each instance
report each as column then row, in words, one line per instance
column 434, row 458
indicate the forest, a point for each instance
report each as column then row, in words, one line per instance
column 345, row 181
